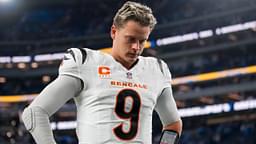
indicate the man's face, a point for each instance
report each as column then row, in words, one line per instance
column 128, row 42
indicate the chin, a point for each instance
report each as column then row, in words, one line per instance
column 133, row 59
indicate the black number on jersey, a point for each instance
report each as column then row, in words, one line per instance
column 132, row 114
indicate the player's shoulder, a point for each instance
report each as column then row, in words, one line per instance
column 154, row 63
column 85, row 51
column 83, row 55
column 94, row 53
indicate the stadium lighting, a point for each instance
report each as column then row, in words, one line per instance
column 2, row 79
column 5, row 1
column 185, row 112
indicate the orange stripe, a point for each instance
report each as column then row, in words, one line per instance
column 214, row 75
column 17, row 98
column 175, row 81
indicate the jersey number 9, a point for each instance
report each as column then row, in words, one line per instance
column 132, row 115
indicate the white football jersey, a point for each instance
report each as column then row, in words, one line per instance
column 115, row 105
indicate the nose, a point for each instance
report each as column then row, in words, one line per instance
column 136, row 45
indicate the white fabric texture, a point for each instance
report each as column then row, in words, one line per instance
column 166, row 107
column 56, row 94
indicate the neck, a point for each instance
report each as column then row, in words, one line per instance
column 123, row 63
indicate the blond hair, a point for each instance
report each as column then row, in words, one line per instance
column 136, row 12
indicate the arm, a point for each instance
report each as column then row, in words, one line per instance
column 36, row 115
column 168, row 113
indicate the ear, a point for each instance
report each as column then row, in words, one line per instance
column 113, row 31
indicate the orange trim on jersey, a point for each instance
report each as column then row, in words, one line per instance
column 128, row 84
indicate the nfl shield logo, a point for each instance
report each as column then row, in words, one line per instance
column 129, row 75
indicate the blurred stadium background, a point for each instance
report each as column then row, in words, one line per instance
column 208, row 45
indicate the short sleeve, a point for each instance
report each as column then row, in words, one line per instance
column 72, row 62
column 167, row 75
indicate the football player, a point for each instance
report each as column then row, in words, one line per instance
column 115, row 93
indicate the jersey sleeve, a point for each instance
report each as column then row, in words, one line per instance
column 166, row 73
column 36, row 115
column 166, row 107
column 72, row 61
